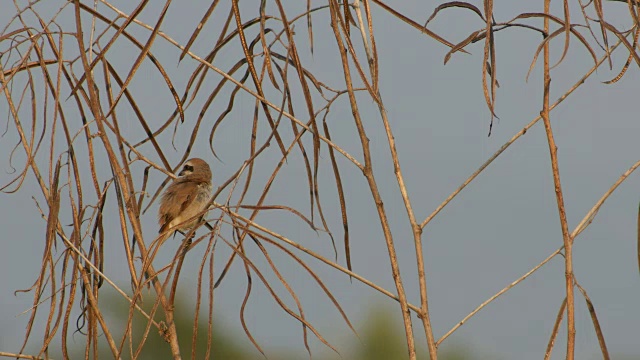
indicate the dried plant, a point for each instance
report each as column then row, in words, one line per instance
column 79, row 111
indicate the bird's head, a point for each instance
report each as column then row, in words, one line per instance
column 196, row 167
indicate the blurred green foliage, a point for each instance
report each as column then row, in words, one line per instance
column 381, row 338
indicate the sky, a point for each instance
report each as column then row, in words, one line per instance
column 499, row 227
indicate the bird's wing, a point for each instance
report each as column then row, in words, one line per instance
column 177, row 198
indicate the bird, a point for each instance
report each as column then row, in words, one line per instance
column 186, row 197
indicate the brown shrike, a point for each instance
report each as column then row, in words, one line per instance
column 186, row 197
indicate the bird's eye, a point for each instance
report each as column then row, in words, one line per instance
column 188, row 168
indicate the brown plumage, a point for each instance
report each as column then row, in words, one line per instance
column 186, row 197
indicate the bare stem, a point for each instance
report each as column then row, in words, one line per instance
column 566, row 237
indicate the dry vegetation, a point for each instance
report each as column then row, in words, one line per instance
column 65, row 88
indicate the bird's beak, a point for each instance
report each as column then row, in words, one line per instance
column 182, row 172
